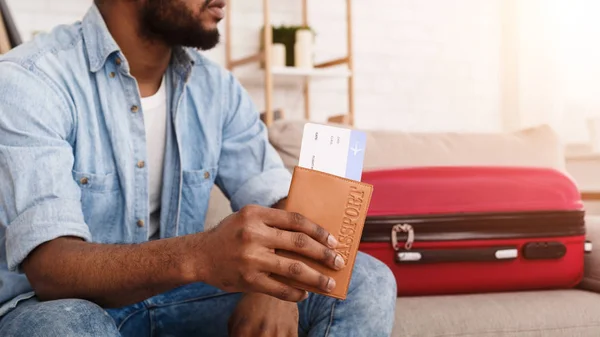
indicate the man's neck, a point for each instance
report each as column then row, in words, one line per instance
column 148, row 59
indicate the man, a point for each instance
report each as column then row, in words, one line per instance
column 112, row 133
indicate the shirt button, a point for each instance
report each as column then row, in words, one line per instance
column 140, row 223
column 206, row 175
column 141, row 164
column 118, row 61
column 84, row 181
column 112, row 74
column 134, row 109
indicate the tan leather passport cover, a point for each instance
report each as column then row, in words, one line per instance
column 340, row 206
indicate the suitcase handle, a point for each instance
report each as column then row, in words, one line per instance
column 403, row 228
column 488, row 254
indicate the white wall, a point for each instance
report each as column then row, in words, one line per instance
column 558, row 68
column 421, row 65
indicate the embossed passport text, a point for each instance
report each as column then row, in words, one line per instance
column 340, row 206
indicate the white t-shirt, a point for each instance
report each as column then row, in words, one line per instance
column 155, row 122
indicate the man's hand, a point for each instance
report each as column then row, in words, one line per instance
column 239, row 254
column 265, row 316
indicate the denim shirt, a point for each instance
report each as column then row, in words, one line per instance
column 73, row 145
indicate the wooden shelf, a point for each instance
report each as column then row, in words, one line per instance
column 311, row 73
column 246, row 60
column 285, row 75
column 333, row 63
column 590, row 196
column 291, row 77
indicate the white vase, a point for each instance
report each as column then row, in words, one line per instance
column 303, row 49
column 278, row 55
column 305, row 37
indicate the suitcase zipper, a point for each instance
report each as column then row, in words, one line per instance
column 461, row 227
column 480, row 226
column 404, row 254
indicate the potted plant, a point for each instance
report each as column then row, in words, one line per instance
column 285, row 35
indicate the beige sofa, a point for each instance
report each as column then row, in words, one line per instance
column 585, row 167
column 557, row 313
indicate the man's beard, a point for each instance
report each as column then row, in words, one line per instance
column 175, row 24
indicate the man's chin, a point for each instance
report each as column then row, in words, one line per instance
column 186, row 35
column 208, row 21
column 175, row 25
column 204, row 40
column 211, row 27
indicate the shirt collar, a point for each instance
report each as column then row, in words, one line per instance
column 98, row 41
column 100, row 44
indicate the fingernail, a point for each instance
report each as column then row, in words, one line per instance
column 330, row 284
column 305, row 296
column 331, row 241
column 339, row 262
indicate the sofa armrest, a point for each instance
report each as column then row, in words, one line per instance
column 591, row 277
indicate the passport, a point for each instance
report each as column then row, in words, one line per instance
column 340, row 206
column 333, row 150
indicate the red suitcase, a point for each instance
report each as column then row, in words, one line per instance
column 449, row 230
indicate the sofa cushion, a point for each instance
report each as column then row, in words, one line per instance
column 539, row 146
column 561, row 313
column 584, row 169
column 218, row 208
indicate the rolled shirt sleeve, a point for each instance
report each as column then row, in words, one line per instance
column 39, row 199
column 250, row 170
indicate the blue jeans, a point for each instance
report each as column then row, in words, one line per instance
column 202, row 310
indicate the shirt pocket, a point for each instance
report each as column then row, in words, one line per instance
column 195, row 193
column 102, row 204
